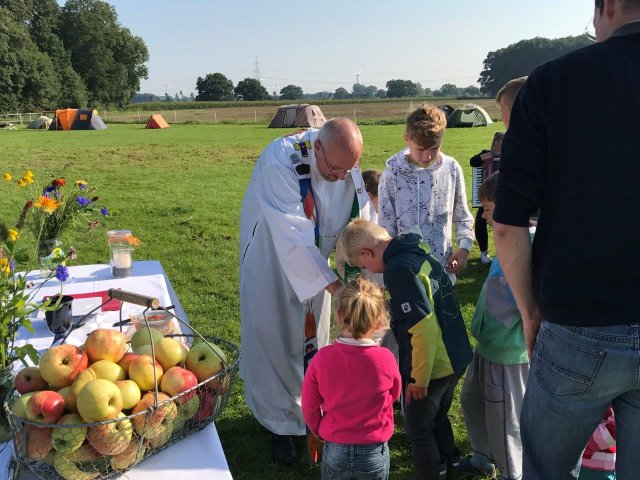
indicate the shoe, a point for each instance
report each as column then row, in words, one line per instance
column 283, row 449
column 485, row 257
column 479, row 468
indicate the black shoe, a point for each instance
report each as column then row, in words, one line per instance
column 283, row 449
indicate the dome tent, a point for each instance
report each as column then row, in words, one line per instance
column 77, row 119
column 469, row 115
column 302, row 115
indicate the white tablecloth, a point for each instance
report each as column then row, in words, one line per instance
column 198, row 456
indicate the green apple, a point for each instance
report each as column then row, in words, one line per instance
column 144, row 350
column 130, row 393
column 170, row 352
column 108, row 370
column 205, row 360
column 19, row 405
column 69, row 470
column 68, row 439
column 145, row 336
column 186, row 411
column 99, row 400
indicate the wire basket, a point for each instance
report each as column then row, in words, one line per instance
column 75, row 450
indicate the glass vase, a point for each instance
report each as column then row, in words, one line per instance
column 6, row 382
column 50, row 254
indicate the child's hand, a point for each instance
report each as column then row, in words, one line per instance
column 414, row 392
column 457, row 261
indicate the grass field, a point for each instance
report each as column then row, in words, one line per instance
column 180, row 190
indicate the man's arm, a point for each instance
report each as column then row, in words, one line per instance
column 513, row 245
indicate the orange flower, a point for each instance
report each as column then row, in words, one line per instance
column 49, row 205
column 59, row 182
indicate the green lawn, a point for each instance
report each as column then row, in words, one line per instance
column 180, row 191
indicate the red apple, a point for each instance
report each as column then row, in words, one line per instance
column 150, row 420
column 99, row 400
column 38, row 442
column 45, row 407
column 177, row 380
column 111, row 438
column 205, row 360
column 106, row 344
column 207, row 402
column 141, row 371
column 126, row 360
column 29, row 379
column 61, row 364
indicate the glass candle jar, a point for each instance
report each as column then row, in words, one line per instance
column 121, row 252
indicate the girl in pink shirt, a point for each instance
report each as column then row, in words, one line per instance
column 349, row 389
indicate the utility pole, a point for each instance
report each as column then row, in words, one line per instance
column 256, row 70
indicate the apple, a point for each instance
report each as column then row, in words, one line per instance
column 161, row 433
column 108, row 370
column 126, row 360
column 68, row 470
column 99, row 400
column 170, row 352
column 177, row 380
column 29, row 379
column 145, row 336
column 38, row 442
column 207, row 403
column 106, row 344
column 68, row 439
column 186, row 411
column 64, row 391
column 205, row 360
column 61, row 364
column 127, row 458
column 130, row 393
column 148, row 421
column 45, row 407
column 81, row 380
column 111, row 438
column 19, row 405
column 141, row 371
column 145, row 350
column 84, row 454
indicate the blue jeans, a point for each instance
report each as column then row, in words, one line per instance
column 576, row 373
column 355, row 462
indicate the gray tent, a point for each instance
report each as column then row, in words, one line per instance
column 469, row 115
column 302, row 115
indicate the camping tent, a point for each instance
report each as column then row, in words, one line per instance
column 303, row 115
column 447, row 109
column 42, row 122
column 156, row 121
column 469, row 115
column 77, row 119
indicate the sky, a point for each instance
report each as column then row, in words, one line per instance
column 323, row 45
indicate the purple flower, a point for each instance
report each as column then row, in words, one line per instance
column 104, row 211
column 49, row 189
column 82, row 186
column 12, row 265
column 83, row 201
column 62, row 273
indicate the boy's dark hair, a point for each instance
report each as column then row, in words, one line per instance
column 487, row 190
column 371, row 179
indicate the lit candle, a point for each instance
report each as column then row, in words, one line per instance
column 122, row 258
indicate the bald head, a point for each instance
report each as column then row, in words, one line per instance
column 341, row 133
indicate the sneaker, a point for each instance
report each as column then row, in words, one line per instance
column 485, row 257
column 283, row 449
column 476, row 466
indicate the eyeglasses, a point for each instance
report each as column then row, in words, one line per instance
column 590, row 30
column 335, row 171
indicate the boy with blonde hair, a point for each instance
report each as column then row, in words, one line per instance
column 433, row 345
column 423, row 187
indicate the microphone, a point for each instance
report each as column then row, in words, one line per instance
column 135, row 298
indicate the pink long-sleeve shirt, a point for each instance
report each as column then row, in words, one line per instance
column 348, row 393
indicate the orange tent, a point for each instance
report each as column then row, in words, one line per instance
column 156, row 121
column 64, row 118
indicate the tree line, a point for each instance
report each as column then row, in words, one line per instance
column 75, row 55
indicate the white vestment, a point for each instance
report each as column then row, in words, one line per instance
column 281, row 268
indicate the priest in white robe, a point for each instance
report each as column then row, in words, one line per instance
column 304, row 189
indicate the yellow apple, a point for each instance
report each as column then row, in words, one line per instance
column 99, row 400
column 108, row 370
column 148, row 421
column 61, row 364
column 130, row 393
column 127, row 458
column 81, row 380
column 141, row 371
column 64, row 391
column 106, row 344
column 145, row 336
column 161, row 434
column 205, row 360
column 170, row 352
column 68, row 439
column 111, row 438
column 69, row 470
